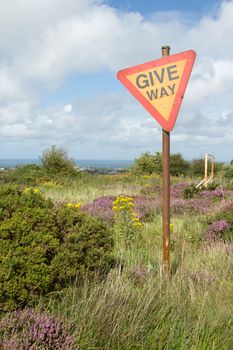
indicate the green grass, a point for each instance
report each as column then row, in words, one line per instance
column 135, row 307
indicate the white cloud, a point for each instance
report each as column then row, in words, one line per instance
column 43, row 43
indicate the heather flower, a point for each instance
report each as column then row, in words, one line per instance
column 30, row 329
column 178, row 189
column 216, row 229
column 193, row 205
column 218, row 193
column 139, row 273
column 101, row 207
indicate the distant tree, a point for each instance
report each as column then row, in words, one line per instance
column 148, row 164
column 178, row 165
column 55, row 160
column 197, row 167
column 231, row 162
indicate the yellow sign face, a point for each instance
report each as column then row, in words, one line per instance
column 159, row 85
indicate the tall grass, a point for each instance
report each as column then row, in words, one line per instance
column 135, row 308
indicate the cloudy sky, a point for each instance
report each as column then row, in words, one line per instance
column 58, row 65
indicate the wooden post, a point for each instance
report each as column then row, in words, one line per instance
column 212, row 168
column 166, row 191
column 206, row 170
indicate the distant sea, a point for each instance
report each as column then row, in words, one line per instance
column 82, row 163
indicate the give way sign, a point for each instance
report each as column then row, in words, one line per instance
column 160, row 85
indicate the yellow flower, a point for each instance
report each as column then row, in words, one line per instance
column 69, row 205
column 27, row 189
column 36, row 190
column 78, row 205
column 137, row 224
column 172, row 227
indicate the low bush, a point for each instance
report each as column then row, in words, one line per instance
column 190, row 191
column 85, row 247
column 44, row 248
column 229, row 173
column 28, row 175
column 30, row 329
column 220, row 227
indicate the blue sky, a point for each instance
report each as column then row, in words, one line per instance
column 199, row 7
column 58, row 65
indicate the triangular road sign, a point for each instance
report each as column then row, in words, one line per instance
column 160, row 85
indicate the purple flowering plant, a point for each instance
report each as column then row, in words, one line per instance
column 216, row 230
column 30, row 330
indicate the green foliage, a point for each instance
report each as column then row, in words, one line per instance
column 152, row 164
column 197, row 167
column 229, row 173
column 43, row 248
column 86, row 247
column 55, row 160
column 178, row 165
column 148, row 163
column 190, row 191
column 212, row 186
column 27, row 175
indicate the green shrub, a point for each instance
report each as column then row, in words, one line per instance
column 178, row 165
column 229, row 173
column 28, row 175
column 152, row 164
column 55, row 160
column 86, row 247
column 13, row 198
column 212, row 186
column 197, row 167
column 44, row 248
column 28, row 243
column 148, row 163
column 190, row 191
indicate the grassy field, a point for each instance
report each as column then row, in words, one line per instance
column 135, row 307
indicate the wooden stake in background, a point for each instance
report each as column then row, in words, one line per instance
column 166, row 190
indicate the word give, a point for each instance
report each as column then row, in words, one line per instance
column 162, row 81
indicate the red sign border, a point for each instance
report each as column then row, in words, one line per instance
column 167, row 125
